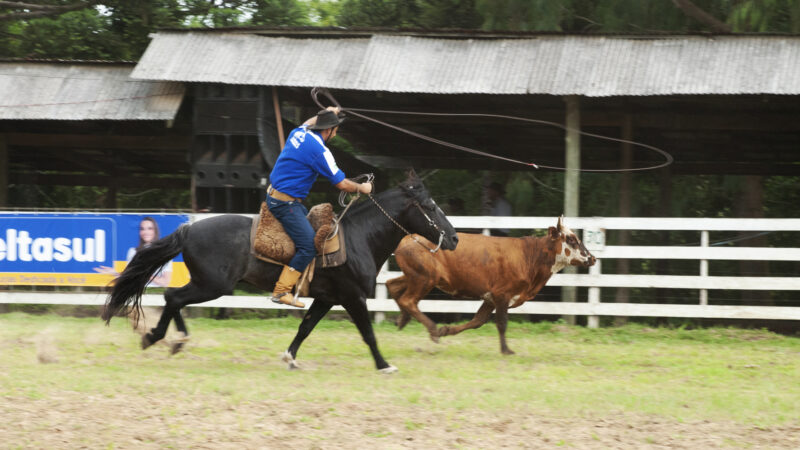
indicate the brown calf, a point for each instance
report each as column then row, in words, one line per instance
column 504, row 272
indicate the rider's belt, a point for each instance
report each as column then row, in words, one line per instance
column 278, row 195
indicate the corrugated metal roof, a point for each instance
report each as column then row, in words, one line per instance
column 81, row 91
column 593, row 66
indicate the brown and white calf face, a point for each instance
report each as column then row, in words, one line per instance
column 572, row 251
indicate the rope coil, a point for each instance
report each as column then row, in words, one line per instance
column 315, row 92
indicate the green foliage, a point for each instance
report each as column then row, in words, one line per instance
column 75, row 35
column 323, row 12
column 378, row 13
column 519, row 15
column 766, row 16
column 461, row 14
column 281, row 13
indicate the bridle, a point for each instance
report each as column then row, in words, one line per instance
column 422, row 210
column 368, row 177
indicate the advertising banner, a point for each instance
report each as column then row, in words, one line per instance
column 82, row 249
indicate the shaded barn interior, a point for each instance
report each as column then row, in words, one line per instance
column 183, row 118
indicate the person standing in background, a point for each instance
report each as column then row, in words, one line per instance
column 498, row 206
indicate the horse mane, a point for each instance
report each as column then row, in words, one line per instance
column 412, row 186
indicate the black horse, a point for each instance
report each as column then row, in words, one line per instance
column 217, row 254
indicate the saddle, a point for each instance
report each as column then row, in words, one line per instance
column 270, row 243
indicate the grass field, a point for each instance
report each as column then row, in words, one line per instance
column 68, row 382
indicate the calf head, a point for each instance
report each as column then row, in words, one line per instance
column 569, row 250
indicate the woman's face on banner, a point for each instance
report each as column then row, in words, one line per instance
column 147, row 231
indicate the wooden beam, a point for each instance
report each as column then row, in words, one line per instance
column 112, row 142
column 99, row 180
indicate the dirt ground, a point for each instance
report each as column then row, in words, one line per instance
column 73, row 420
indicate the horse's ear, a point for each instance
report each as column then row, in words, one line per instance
column 560, row 222
column 553, row 232
column 411, row 176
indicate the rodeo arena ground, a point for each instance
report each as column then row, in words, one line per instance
column 624, row 327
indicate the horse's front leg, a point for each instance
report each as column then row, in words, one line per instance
column 312, row 317
column 357, row 309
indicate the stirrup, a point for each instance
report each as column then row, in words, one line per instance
column 291, row 301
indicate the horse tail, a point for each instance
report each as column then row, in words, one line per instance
column 129, row 286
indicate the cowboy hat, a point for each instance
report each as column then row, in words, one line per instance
column 327, row 119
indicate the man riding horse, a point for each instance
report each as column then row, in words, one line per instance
column 302, row 160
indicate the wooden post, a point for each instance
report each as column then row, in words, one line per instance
column 276, row 104
column 625, row 188
column 751, row 204
column 572, row 181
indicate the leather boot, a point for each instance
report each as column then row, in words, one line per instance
column 283, row 288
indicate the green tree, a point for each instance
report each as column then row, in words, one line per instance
column 378, row 13
column 281, row 13
column 461, row 14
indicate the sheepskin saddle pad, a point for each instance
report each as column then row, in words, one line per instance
column 271, row 243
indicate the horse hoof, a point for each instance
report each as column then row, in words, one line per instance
column 175, row 347
column 291, row 364
column 442, row 331
column 146, row 342
column 434, row 338
column 388, row 370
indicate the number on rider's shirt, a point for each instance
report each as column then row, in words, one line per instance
column 298, row 139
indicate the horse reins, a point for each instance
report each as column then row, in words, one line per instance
column 368, row 178
column 430, row 222
column 667, row 157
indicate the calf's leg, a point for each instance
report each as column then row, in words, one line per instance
column 480, row 318
column 407, row 291
column 501, row 320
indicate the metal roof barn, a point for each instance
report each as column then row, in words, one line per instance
column 83, row 91
column 590, row 66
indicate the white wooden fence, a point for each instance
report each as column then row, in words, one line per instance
column 594, row 230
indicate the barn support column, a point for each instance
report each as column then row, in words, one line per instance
column 3, row 171
column 664, row 209
column 625, row 190
column 751, row 205
column 572, row 181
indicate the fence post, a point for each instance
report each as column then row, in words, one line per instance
column 704, row 268
column 595, row 241
column 381, row 294
column 594, row 296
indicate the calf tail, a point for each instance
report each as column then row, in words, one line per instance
column 129, row 286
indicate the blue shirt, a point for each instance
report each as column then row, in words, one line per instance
column 302, row 160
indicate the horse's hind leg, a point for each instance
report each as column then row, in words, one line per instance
column 314, row 314
column 360, row 315
column 177, row 344
column 177, row 298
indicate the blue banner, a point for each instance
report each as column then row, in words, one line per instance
column 81, row 249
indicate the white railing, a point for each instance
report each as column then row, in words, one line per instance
column 594, row 230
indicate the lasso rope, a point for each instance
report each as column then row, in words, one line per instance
column 316, row 91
